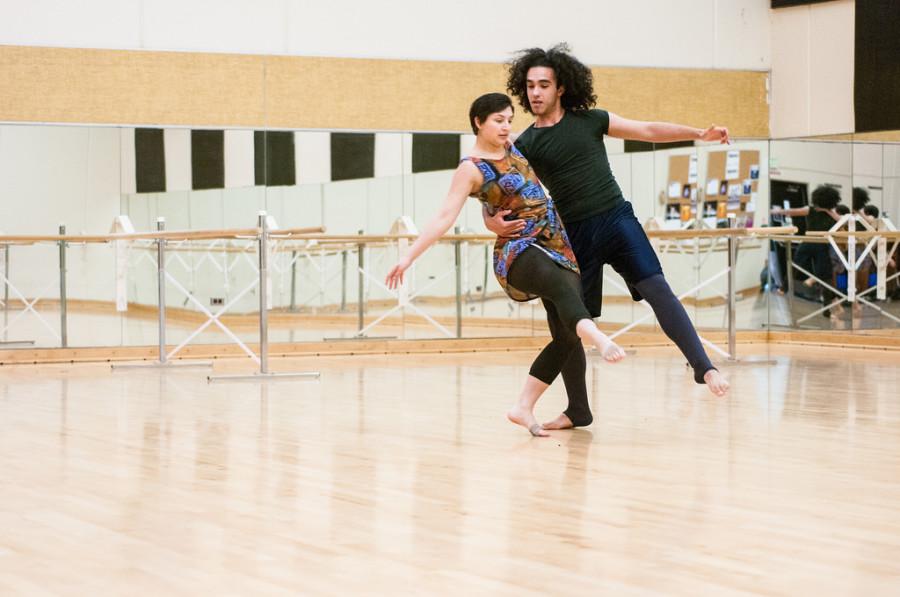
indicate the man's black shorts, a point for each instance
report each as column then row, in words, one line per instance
column 617, row 238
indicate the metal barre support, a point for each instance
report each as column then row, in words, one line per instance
column 457, row 254
column 263, row 287
column 161, row 288
column 162, row 361
column 263, row 294
column 732, row 263
column 63, row 324
column 361, row 262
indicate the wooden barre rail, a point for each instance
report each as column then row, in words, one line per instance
column 862, row 234
column 234, row 233
column 317, row 234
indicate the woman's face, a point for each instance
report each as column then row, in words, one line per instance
column 496, row 127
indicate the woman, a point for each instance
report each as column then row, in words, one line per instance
column 539, row 263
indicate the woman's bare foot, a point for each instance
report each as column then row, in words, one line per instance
column 716, row 382
column 525, row 418
column 560, row 422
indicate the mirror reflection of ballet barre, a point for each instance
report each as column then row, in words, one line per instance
column 843, row 238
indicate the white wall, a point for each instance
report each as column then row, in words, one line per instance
column 812, row 52
column 815, row 163
column 891, row 194
column 688, row 33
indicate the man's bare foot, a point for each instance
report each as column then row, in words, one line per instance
column 525, row 418
column 716, row 382
column 560, row 422
column 612, row 353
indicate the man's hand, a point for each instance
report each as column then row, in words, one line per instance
column 501, row 227
column 715, row 133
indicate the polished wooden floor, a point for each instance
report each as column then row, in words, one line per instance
column 399, row 475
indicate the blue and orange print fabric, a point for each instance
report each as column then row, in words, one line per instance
column 510, row 183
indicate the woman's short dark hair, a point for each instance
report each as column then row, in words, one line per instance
column 826, row 197
column 871, row 210
column 841, row 209
column 487, row 104
column 574, row 77
column 860, row 198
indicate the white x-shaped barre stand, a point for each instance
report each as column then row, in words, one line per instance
column 852, row 263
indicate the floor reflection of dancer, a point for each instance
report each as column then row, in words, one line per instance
column 539, row 263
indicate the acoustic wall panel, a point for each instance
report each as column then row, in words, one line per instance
column 208, row 159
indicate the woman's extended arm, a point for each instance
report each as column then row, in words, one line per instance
column 464, row 181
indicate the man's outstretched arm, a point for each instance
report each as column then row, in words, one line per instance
column 662, row 132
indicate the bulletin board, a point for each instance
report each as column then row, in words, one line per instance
column 681, row 188
column 732, row 180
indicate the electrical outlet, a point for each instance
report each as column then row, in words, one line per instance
column 216, row 301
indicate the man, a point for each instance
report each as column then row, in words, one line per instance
column 565, row 148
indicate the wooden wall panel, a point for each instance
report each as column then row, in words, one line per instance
column 222, row 90
column 130, row 87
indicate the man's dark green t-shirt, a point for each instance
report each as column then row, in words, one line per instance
column 570, row 159
column 817, row 220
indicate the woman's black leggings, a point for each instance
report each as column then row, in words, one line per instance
column 560, row 290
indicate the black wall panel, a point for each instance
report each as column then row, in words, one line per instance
column 274, row 158
column 434, row 151
column 876, row 82
column 638, row 146
column 149, row 161
column 207, row 160
column 352, row 155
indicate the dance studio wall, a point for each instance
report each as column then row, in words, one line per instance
column 812, row 69
column 345, row 65
column 726, row 34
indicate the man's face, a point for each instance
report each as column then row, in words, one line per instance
column 543, row 93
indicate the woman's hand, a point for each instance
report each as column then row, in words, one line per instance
column 395, row 277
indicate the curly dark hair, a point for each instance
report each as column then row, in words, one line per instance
column 871, row 210
column 574, row 77
column 826, row 197
column 860, row 198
